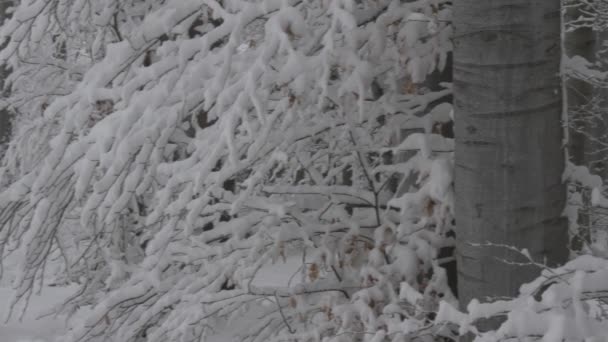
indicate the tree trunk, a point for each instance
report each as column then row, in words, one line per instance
column 509, row 157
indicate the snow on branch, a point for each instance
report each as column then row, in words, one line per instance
column 174, row 152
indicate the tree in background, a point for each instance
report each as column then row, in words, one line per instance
column 509, row 157
column 585, row 26
column 170, row 153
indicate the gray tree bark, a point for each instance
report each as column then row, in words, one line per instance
column 509, row 157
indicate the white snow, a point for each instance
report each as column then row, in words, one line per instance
column 34, row 328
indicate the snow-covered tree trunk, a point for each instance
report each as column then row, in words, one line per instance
column 509, row 160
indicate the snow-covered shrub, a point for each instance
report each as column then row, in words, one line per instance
column 567, row 303
column 194, row 144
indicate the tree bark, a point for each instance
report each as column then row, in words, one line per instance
column 509, row 157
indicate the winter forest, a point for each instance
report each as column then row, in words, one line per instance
column 303, row 170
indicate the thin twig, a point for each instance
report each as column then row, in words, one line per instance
column 291, row 331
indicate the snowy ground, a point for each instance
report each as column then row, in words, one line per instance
column 47, row 329
column 32, row 329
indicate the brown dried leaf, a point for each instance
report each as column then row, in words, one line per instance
column 313, row 272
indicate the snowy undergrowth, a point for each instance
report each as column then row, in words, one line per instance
column 568, row 303
column 172, row 150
